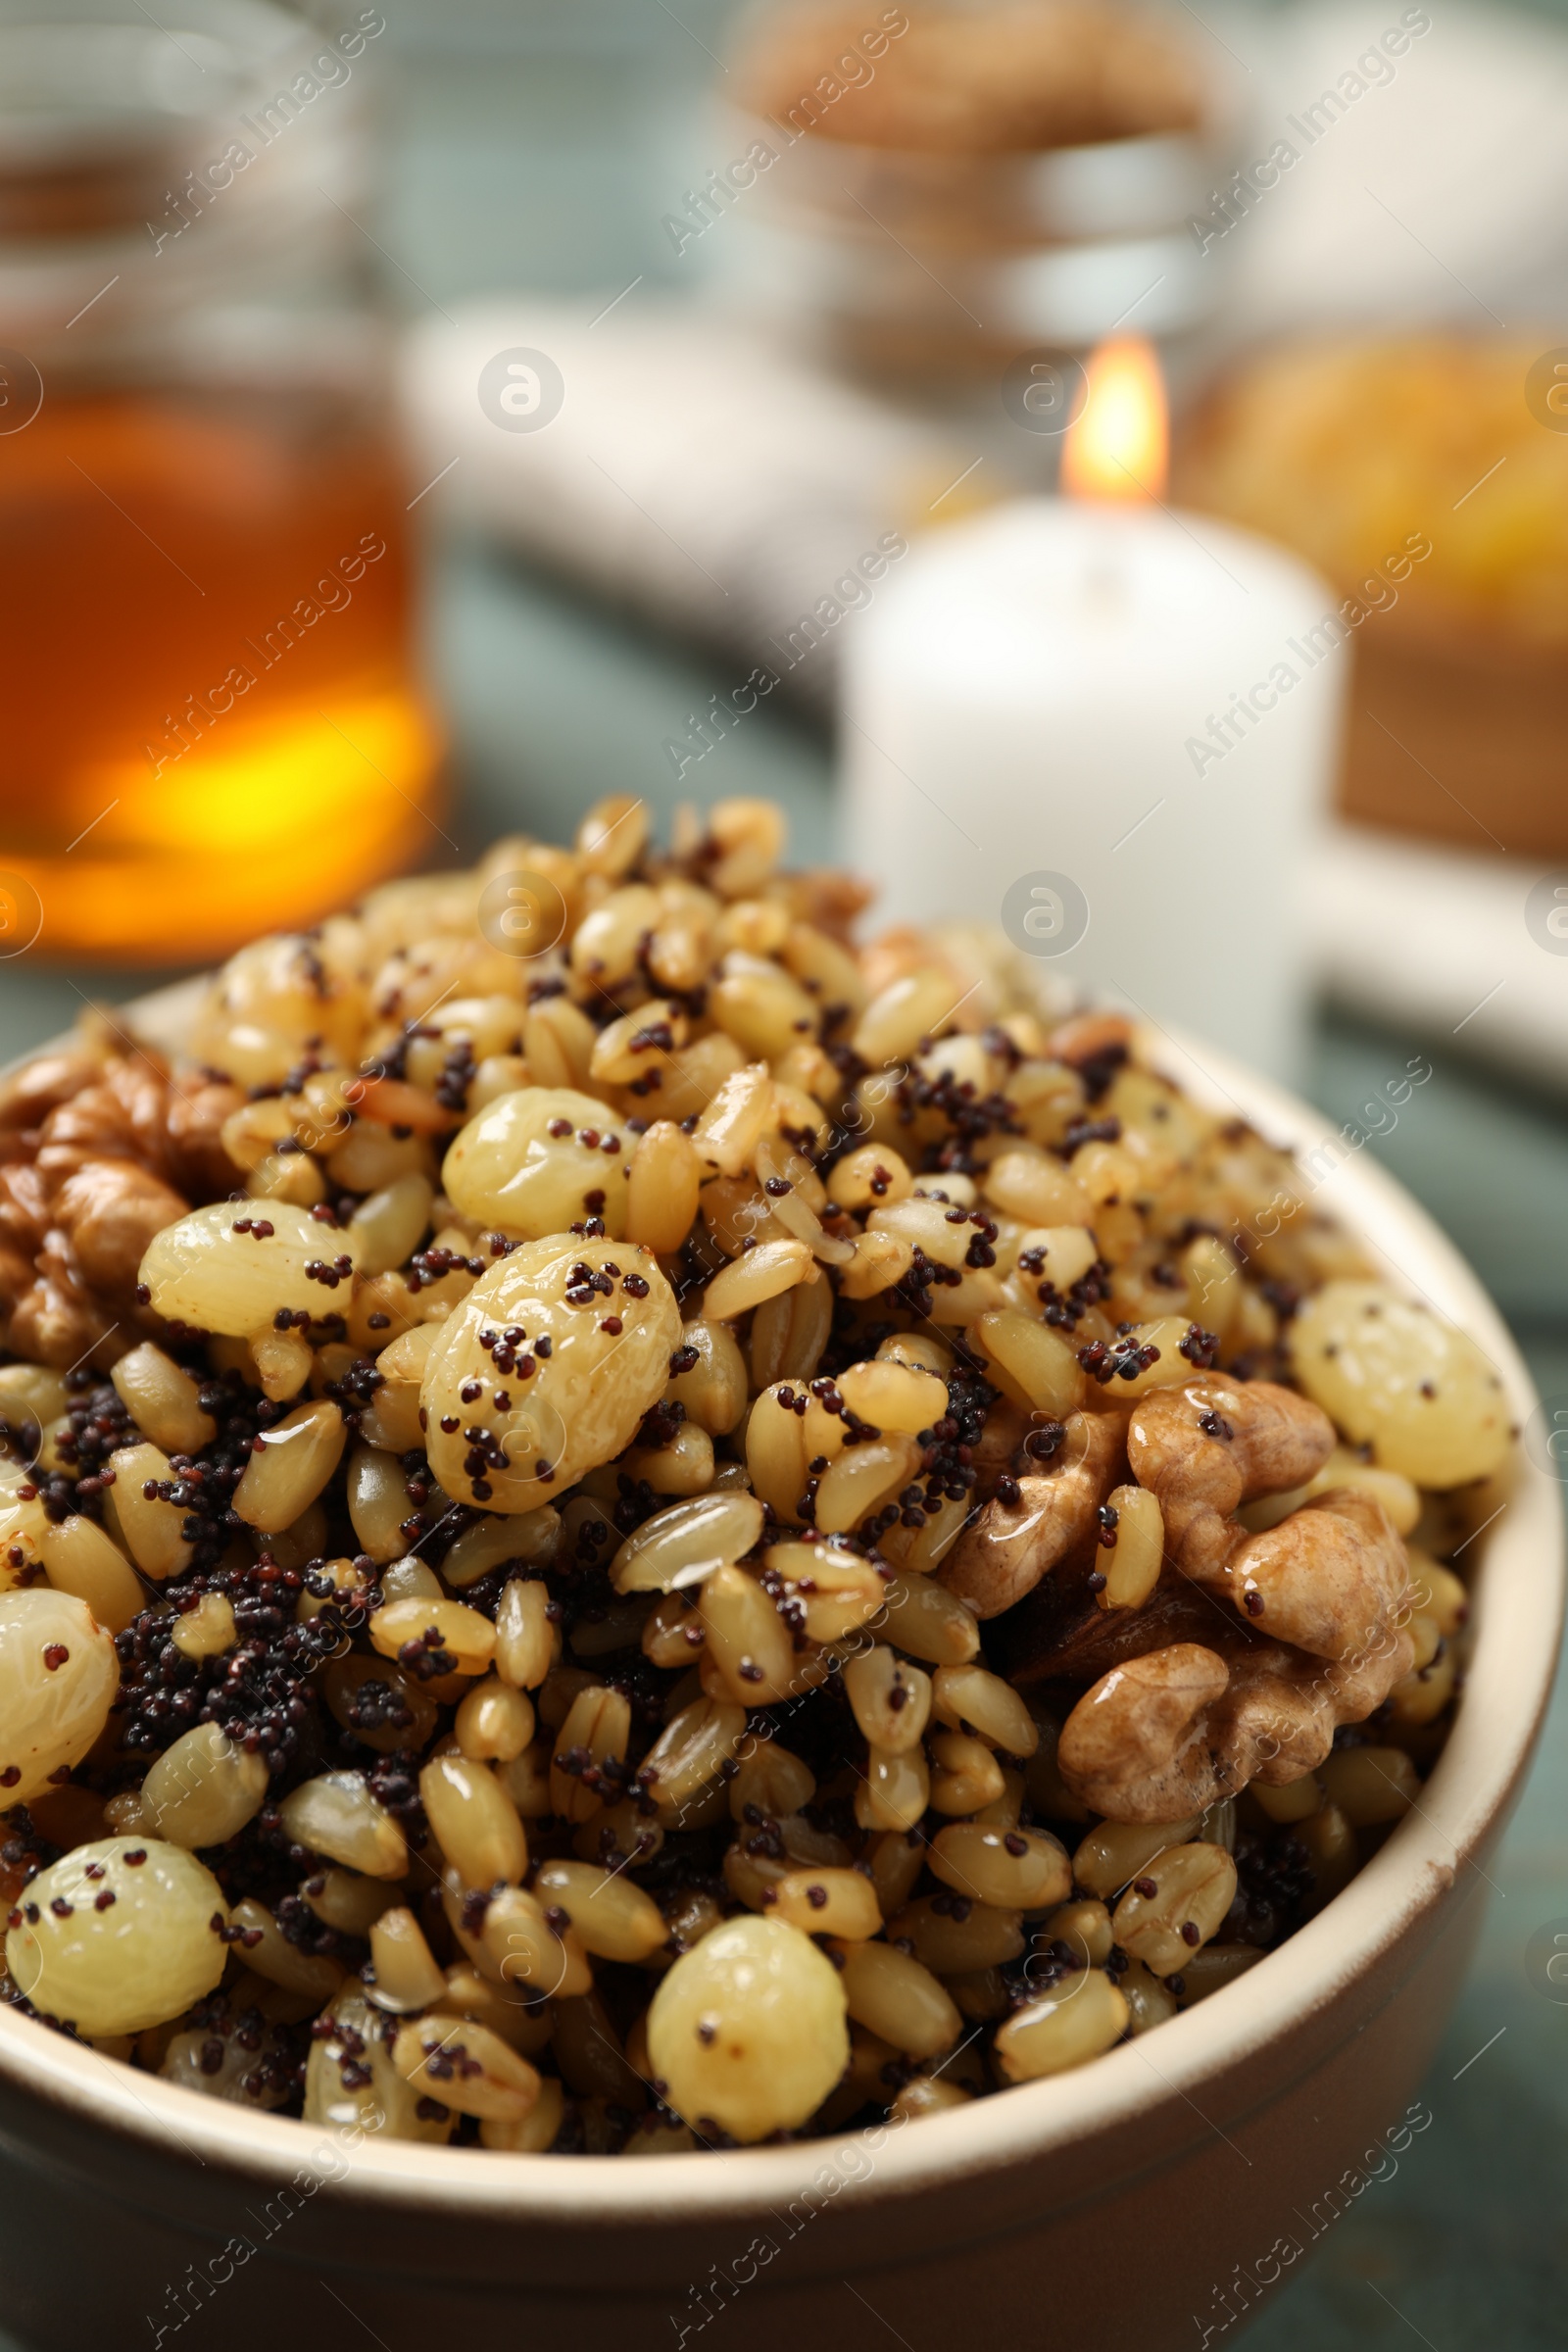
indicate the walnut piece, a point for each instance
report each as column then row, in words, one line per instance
column 1008, row 1548
column 1174, row 1731
column 109, row 1210
column 29, row 1094
column 1332, row 1578
column 99, row 1149
column 1212, row 1443
column 1006, row 1425
column 55, row 1319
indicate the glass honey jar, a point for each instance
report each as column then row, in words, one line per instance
column 213, row 723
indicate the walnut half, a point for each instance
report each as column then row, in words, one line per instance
column 1168, row 1734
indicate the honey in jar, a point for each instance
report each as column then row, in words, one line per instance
column 212, row 722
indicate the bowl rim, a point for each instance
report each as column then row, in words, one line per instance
column 1518, row 1618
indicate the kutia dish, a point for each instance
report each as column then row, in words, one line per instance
column 701, row 1535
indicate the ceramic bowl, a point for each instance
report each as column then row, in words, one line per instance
column 1149, row 2199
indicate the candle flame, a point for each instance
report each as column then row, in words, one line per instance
column 1116, row 447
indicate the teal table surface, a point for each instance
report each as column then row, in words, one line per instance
column 552, row 168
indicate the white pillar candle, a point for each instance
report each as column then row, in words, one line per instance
column 1126, row 718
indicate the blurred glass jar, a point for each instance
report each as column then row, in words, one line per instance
column 212, row 724
column 934, row 193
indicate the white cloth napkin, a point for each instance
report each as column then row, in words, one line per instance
column 1445, row 943
column 693, row 470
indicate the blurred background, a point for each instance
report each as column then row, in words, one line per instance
column 1103, row 470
